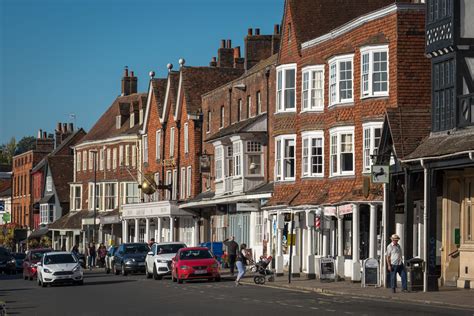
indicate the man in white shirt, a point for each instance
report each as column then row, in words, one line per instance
column 395, row 264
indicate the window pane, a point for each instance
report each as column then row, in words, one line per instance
column 289, row 159
column 345, row 80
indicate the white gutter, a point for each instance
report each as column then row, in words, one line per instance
column 425, row 224
column 223, row 200
column 468, row 152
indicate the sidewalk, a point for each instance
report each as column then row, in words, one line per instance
column 446, row 296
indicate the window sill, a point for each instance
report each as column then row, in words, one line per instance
column 339, row 176
column 292, row 180
column 341, row 104
column 380, row 96
column 318, row 177
column 311, row 111
column 286, row 112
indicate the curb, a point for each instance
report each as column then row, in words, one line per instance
column 367, row 296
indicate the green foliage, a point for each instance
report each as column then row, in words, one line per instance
column 7, row 151
column 25, row 144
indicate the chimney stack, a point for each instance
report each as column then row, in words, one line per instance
column 40, row 133
column 71, row 127
column 213, row 62
column 125, row 82
column 239, row 62
column 65, row 128
column 223, row 43
column 45, row 135
column 249, row 32
column 225, row 54
column 276, row 37
column 133, row 83
column 257, row 31
column 229, row 43
column 257, row 48
column 276, row 29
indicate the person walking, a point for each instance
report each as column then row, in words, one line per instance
column 102, row 253
column 232, row 249
column 91, row 255
column 395, row 264
column 151, row 242
column 241, row 263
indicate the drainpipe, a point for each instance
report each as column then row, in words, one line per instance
column 425, row 223
column 230, row 107
column 267, row 167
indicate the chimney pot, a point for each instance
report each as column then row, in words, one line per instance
column 45, row 135
column 276, row 29
column 257, row 31
column 71, row 127
column 237, row 52
column 125, row 72
column 151, row 74
column 40, row 133
column 214, row 59
column 65, row 128
column 222, row 43
column 229, row 43
column 58, row 127
column 132, row 74
column 249, row 32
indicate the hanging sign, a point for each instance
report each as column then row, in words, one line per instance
column 380, row 174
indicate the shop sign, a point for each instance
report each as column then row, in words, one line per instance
column 247, row 207
column 110, row 220
column 205, row 163
column 328, row 271
column 169, row 162
column 370, row 272
column 345, row 209
column 380, row 174
column 330, row 211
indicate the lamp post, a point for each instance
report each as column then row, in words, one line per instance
column 94, row 151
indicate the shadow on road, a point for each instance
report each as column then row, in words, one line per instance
column 107, row 282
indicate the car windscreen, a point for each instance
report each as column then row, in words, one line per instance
column 195, row 254
column 19, row 256
column 173, row 248
column 136, row 248
column 60, row 258
column 37, row 255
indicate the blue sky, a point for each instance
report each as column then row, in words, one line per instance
column 59, row 57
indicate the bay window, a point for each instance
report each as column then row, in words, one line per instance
column 341, row 79
column 286, row 83
column 46, row 213
column 371, row 139
column 237, row 158
column 145, row 148
column 374, row 71
column 219, row 152
column 130, row 193
column 342, row 151
column 254, row 156
column 313, row 154
column 313, row 88
column 285, row 157
column 158, row 145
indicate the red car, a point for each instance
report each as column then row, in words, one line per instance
column 194, row 263
column 29, row 264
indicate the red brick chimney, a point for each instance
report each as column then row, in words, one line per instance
column 225, row 55
column 239, row 62
column 257, row 48
column 133, row 83
column 125, row 82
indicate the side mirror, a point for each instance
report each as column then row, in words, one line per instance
column 150, row 253
column 39, row 264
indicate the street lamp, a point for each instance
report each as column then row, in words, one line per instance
column 94, row 151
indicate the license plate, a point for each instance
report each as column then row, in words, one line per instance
column 141, row 263
column 200, row 272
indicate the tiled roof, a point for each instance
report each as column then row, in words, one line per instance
column 408, row 126
column 105, row 127
column 6, row 193
column 263, row 188
column 159, row 92
column 313, row 18
column 199, row 80
column 61, row 168
column 437, row 145
column 72, row 220
column 237, row 127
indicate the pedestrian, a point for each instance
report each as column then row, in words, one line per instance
column 75, row 251
column 395, row 264
column 241, row 263
column 102, row 253
column 232, row 249
column 151, row 242
column 92, row 255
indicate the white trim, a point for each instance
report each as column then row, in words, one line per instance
column 178, row 100
column 148, row 104
column 371, row 126
column 310, row 135
column 226, row 200
column 158, row 144
column 282, row 139
column 370, row 50
column 186, row 138
column 336, row 60
column 311, row 69
column 283, row 68
column 108, row 141
column 164, row 116
column 337, row 131
column 372, row 16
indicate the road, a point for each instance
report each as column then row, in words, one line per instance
column 105, row 294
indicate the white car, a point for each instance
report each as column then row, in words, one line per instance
column 158, row 260
column 59, row 268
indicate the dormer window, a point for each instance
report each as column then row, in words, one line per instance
column 118, row 122
column 132, row 120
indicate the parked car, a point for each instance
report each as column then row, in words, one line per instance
column 19, row 258
column 109, row 259
column 194, row 263
column 5, row 258
column 158, row 260
column 130, row 258
column 59, row 268
column 32, row 258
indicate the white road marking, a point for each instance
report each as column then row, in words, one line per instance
column 314, row 308
column 330, row 310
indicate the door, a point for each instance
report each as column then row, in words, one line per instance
column 452, row 233
column 239, row 226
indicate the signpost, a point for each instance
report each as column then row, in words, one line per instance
column 370, row 272
column 328, row 272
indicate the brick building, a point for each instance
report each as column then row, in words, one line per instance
column 338, row 72
column 235, row 146
column 172, row 145
column 109, row 156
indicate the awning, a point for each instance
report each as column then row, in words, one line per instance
column 112, row 217
column 153, row 209
column 38, row 233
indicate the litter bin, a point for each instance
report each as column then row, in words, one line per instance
column 415, row 274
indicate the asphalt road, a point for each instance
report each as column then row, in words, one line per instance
column 110, row 295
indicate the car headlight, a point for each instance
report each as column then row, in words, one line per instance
column 184, row 267
column 76, row 268
column 129, row 260
column 160, row 261
column 13, row 261
column 46, row 270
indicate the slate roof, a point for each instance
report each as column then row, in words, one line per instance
column 159, row 92
column 441, row 144
column 105, row 127
column 61, row 168
column 237, row 127
column 200, row 80
column 6, row 193
column 408, row 126
column 313, row 18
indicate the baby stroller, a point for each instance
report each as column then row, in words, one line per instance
column 262, row 271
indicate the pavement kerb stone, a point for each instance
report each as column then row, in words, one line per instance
column 369, row 296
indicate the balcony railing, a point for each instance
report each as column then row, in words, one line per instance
column 466, row 110
column 228, row 185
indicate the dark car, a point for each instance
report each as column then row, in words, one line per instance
column 19, row 258
column 130, row 258
column 5, row 260
column 32, row 258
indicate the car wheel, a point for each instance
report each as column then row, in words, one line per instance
column 217, row 279
column 156, row 276
column 124, row 273
column 81, row 282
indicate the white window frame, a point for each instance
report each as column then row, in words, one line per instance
column 78, row 161
column 49, row 184
column 121, row 155
column 128, row 197
column 307, row 104
column 209, row 118
column 306, row 166
column 106, row 195
column 182, row 184
column 337, row 132
column 156, row 177
column 118, row 122
column 145, row 148
column 239, row 109
column 249, row 106
column 127, row 155
column 45, row 216
column 172, row 142
column 219, row 163
column 109, row 154
column 253, row 148
column 102, row 154
column 158, row 145
column 91, row 160
column 369, row 71
column 175, row 184
column 335, row 79
column 186, row 138
column 221, row 117
column 368, row 145
column 74, row 205
column 281, row 91
column 132, row 119
column 188, row 181
column 99, row 197
column 84, row 160
column 114, row 158
column 134, row 156
column 280, row 157
column 237, row 158
column 258, row 98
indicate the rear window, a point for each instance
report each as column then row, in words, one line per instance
column 195, row 254
column 173, row 248
column 60, row 258
column 136, row 248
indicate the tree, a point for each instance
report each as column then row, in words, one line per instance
column 25, row 144
column 7, row 151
